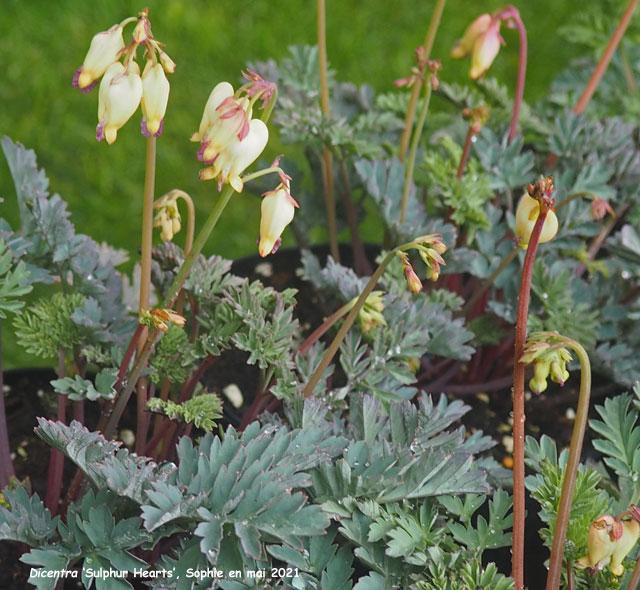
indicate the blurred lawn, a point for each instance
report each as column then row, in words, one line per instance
column 42, row 43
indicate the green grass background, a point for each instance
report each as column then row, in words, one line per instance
column 42, row 43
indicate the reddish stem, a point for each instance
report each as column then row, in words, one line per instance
column 635, row 576
column 56, row 458
column 511, row 13
column 187, row 390
column 465, row 152
column 518, row 400
column 593, row 82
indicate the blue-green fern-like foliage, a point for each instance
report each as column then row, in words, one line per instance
column 315, row 498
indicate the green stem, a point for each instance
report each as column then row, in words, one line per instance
column 465, row 152
column 266, row 114
column 198, row 244
column 174, row 289
column 593, row 82
column 415, row 142
column 318, row 332
column 351, row 316
column 327, row 168
column 145, row 281
column 415, row 91
column 628, row 71
column 512, row 13
column 518, row 401
column 571, row 470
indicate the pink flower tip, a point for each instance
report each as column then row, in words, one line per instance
column 100, row 131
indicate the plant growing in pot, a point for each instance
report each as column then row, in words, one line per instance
column 346, row 468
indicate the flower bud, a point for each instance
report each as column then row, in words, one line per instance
column 168, row 217
column 558, row 372
column 119, row 97
column 278, row 208
column 413, row 281
column 526, row 216
column 142, row 31
column 464, row 46
column 155, row 95
column 370, row 315
column 104, row 50
column 541, row 368
column 159, row 318
column 167, row 63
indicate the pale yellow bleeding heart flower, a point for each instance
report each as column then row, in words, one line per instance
column 278, row 208
column 155, row 96
column 119, row 97
column 104, row 50
column 222, row 91
column 526, row 216
column 610, row 540
column 485, row 49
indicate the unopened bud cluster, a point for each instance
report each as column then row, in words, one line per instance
column 610, row 540
column 370, row 315
column 477, row 117
column 122, row 88
column 430, row 248
column 167, row 217
column 161, row 318
column 419, row 71
column 549, row 355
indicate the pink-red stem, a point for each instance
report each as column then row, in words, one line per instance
column 518, row 401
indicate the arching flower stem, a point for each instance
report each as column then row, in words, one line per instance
column 571, row 470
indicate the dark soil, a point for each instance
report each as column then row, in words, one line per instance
column 26, row 398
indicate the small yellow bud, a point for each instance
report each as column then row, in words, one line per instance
column 541, row 370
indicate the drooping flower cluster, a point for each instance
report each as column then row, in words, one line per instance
column 430, row 248
column 161, row 318
column 549, row 355
column 610, row 540
column 122, row 88
column 370, row 314
column 167, row 217
column 230, row 139
column 482, row 40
